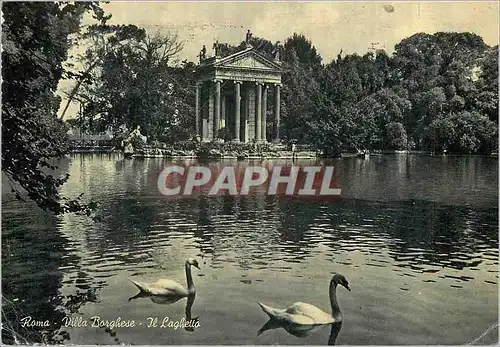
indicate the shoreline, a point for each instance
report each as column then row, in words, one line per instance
column 272, row 155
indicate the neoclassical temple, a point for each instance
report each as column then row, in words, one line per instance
column 232, row 93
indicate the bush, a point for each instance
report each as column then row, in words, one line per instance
column 212, row 149
column 237, row 149
column 137, row 142
column 396, row 136
column 224, row 134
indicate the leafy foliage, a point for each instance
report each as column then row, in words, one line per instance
column 374, row 101
column 436, row 92
column 133, row 84
column 35, row 42
column 445, row 77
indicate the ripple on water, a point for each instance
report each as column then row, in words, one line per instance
column 419, row 242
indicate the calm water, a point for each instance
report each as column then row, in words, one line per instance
column 416, row 236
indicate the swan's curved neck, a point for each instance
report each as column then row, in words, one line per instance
column 189, row 278
column 333, row 300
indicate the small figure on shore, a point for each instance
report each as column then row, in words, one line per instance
column 339, row 56
column 294, row 149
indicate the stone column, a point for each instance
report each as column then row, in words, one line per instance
column 264, row 115
column 217, row 110
column 258, row 116
column 211, row 106
column 223, row 120
column 249, row 122
column 197, row 109
column 237, row 110
column 277, row 110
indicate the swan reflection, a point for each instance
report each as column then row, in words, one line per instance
column 300, row 319
column 158, row 299
column 334, row 332
column 193, row 322
column 301, row 330
column 190, row 323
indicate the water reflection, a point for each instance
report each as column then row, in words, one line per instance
column 193, row 321
column 158, row 299
column 419, row 235
column 426, row 225
column 298, row 330
column 302, row 330
column 334, row 332
column 33, row 252
column 190, row 322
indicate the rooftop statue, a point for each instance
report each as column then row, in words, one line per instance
column 216, row 48
column 203, row 54
column 277, row 51
column 248, row 38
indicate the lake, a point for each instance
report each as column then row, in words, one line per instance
column 415, row 235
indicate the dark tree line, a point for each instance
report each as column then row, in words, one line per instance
column 35, row 41
column 435, row 93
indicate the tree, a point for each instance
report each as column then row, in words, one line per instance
column 299, row 48
column 299, row 94
column 446, row 74
column 102, row 38
column 396, row 136
column 324, row 134
column 462, row 132
column 301, row 65
column 134, row 85
column 486, row 100
column 35, row 41
column 359, row 95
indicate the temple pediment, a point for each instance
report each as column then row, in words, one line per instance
column 251, row 60
column 248, row 65
column 247, row 59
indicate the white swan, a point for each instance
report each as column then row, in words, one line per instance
column 164, row 287
column 301, row 313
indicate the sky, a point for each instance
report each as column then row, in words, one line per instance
column 352, row 26
column 330, row 25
